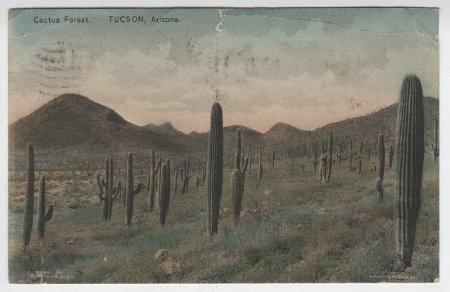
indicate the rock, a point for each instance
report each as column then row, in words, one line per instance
column 161, row 255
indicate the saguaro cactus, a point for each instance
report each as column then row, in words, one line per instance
column 29, row 197
column 260, row 168
column 107, row 191
column 187, row 176
column 238, row 179
column 330, row 156
column 410, row 154
column 215, row 168
column 308, row 147
column 380, row 169
column 340, row 152
column 273, row 159
column 152, row 181
column 42, row 216
column 351, row 152
column 323, row 167
column 165, row 192
column 130, row 191
column 175, row 186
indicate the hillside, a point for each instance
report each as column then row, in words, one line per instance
column 74, row 122
column 383, row 120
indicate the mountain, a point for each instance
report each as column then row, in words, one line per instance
column 74, row 122
column 384, row 119
column 282, row 131
column 164, row 129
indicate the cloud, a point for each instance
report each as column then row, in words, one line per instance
column 326, row 69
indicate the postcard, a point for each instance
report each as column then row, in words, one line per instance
column 223, row 145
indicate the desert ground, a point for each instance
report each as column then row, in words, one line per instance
column 293, row 228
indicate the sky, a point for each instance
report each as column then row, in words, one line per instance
column 303, row 66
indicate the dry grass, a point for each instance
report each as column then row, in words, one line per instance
column 292, row 229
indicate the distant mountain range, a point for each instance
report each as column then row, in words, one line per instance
column 74, row 122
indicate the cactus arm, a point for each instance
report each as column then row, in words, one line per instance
column 99, row 184
column 100, row 187
column 138, row 189
column 245, row 165
column 49, row 213
column 116, row 190
column 157, row 167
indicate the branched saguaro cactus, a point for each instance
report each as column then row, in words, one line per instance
column 130, row 191
column 165, row 192
column 380, row 169
column 42, row 215
column 330, row 156
column 107, row 191
column 410, row 154
column 238, row 179
column 152, row 181
column 29, row 197
column 215, row 168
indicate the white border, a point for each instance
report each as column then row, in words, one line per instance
column 444, row 27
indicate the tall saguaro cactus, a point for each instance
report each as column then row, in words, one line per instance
column 29, row 197
column 130, row 191
column 165, row 192
column 238, row 179
column 152, row 182
column 215, row 168
column 380, row 168
column 107, row 191
column 410, row 154
column 42, row 216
